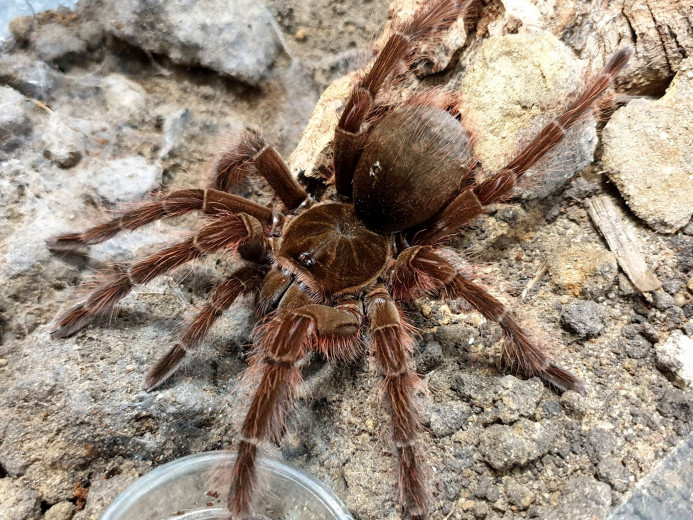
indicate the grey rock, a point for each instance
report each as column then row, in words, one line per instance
column 600, row 443
column 662, row 300
column 447, row 418
column 515, row 85
column 177, row 122
column 63, row 141
column 236, row 38
column 612, row 471
column 126, row 179
column 518, row 398
column 14, row 119
column 61, row 511
column 430, row 358
column 475, row 390
column 677, row 404
column 54, row 42
column 18, row 501
column 583, row 497
column 91, row 32
column 505, row 447
column 674, row 357
column 125, row 99
column 518, row 494
column 33, row 78
column 650, row 159
column 637, row 347
column 584, row 318
column 574, row 403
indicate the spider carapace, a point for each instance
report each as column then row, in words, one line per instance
column 324, row 268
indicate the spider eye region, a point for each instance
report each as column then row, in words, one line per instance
column 333, row 249
column 413, row 163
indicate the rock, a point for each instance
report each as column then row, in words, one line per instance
column 519, row 495
column 475, row 390
column 518, row 398
column 583, row 497
column 177, row 122
column 575, row 403
column 14, row 119
column 55, row 43
column 61, row 511
column 637, row 347
column 430, row 358
column 126, row 179
column 505, row 447
column 647, row 154
column 612, row 471
column 674, row 357
column 583, row 269
column 91, row 32
column 18, row 501
column 677, row 404
column 584, row 318
column 236, row 38
column 447, row 418
column 33, row 78
column 125, row 99
column 515, row 85
column 662, row 300
column 21, row 28
column 63, row 141
column 600, row 443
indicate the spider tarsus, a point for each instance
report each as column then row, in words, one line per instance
column 561, row 379
column 164, row 368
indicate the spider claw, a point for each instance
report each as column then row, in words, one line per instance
column 562, row 380
column 164, row 368
column 65, row 242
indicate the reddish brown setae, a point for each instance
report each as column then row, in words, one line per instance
column 324, row 268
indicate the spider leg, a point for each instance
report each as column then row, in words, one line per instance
column 245, row 280
column 421, row 267
column 227, row 232
column 470, row 202
column 288, row 337
column 392, row 347
column 211, row 202
column 351, row 131
column 253, row 154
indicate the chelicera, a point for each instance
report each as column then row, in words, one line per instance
column 326, row 266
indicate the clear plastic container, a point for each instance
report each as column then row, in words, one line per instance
column 196, row 488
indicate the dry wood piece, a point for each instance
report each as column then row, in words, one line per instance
column 618, row 234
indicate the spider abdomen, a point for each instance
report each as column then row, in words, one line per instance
column 412, row 165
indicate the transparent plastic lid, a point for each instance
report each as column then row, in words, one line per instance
column 196, row 488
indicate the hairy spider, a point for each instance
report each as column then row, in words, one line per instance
column 324, row 266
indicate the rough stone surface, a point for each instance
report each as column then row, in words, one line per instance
column 583, row 269
column 674, row 357
column 14, row 119
column 514, row 86
column 583, row 497
column 33, row 78
column 64, row 141
column 54, row 42
column 648, row 153
column 506, row 447
column 447, row 418
column 210, row 34
column 125, row 99
column 61, row 511
column 584, row 318
column 19, row 501
column 126, row 179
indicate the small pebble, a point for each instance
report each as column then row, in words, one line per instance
column 301, row 35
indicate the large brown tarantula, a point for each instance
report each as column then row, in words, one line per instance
column 319, row 265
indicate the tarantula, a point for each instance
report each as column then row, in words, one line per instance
column 324, row 266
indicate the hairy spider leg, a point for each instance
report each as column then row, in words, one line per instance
column 210, row 202
column 398, row 50
column 253, row 155
column 470, row 202
column 226, row 232
column 420, row 266
column 392, row 347
column 286, row 338
column 244, row 281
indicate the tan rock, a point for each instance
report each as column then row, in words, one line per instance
column 583, row 269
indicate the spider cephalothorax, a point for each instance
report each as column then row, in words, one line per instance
column 322, row 267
